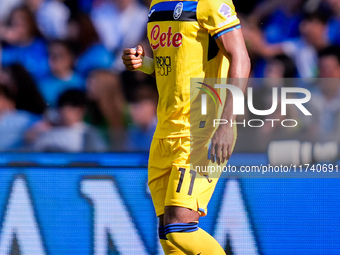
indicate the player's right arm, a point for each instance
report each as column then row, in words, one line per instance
column 135, row 59
column 219, row 19
column 232, row 45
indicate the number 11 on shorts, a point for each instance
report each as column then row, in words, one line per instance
column 181, row 178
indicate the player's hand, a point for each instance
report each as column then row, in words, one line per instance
column 222, row 144
column 132, row 58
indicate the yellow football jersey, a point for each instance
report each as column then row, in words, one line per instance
column 182, row 36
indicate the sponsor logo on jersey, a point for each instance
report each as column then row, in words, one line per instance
column 163, row 65
column 178, row 10
column 164, row 39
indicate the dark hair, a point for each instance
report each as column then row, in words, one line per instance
column 7, row 92
column 28, row 96
column 64, row 43
column 87, row 35
column 72, row 97
column 333, row 51
column 290, row 70
column 317, row 15
column 34, row 30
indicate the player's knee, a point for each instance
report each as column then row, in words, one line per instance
column 161, row 220
column 175, row 214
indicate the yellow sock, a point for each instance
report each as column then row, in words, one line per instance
column 169, row 248
column 192, row 240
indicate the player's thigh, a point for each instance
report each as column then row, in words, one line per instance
column 190, row 185
column 158, row 173
column 182, row 185
column 188, row 189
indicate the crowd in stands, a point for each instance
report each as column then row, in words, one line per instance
column 295, row 43
column 63, row 86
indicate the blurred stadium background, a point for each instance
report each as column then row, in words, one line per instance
column 75, row 130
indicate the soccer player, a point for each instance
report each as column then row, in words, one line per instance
column 189, row 39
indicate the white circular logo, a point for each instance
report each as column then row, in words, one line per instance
column 178, row 10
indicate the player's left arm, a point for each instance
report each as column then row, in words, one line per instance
column 232, row 46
